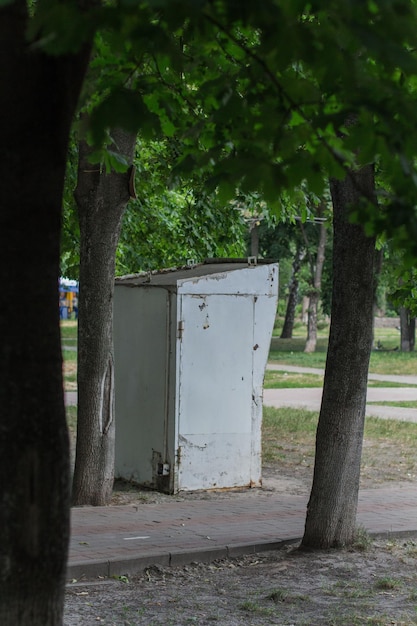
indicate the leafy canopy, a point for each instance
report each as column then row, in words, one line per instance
column 261, row 96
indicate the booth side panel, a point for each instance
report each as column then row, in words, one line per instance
column 265, row 308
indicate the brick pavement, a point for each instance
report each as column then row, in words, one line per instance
column 116, row 540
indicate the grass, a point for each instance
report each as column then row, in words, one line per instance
column 383, row 361
column 288, row 437
column 280, row 379
column 69, row 355
column 69, row 340
column 363, row 540
column 288, row 442
column 70, row 369
column 69, row 329
column 387, row 583
column 275, row 379
column 350, row 589
column 291, row 352
column 406, row 404
column 386, row 383
column 72, row 420
column 249, row 606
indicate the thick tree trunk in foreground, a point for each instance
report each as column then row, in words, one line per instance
column 315, row 293
column 288, row 326
column 331, row 511
column 101, row 200
column 37, row 99
column 408, row 330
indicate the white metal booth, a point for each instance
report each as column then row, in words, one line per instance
column 191, row 347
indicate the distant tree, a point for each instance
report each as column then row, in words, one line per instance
column 316, row 271
column 288, row 326
column 405, row 298
column 408, row 329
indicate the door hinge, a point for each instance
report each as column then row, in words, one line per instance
column 180, row 329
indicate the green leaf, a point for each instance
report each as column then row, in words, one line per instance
column 59, row 28
column 123, row 108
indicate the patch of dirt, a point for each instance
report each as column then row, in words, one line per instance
column 382, row 464
column 376, row 586
column 272, row 478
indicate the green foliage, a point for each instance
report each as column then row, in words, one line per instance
column 397, row 281
column 406, row 293
column 59, row 28
column 70, row 231
column 168, row 226
column 260, row 98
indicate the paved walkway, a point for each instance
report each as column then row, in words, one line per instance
column 310, row 398
column 116, row 540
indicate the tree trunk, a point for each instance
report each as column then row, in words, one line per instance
column 288, row 327
column 38, row 96
column 331, row 511
column 408, row 329
column 314, row 294
column 101, row 200
column 379, row 259
column 254, row 238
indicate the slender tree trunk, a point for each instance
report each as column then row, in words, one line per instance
column 379, row 258
column 288, row 327
column 315, row 293
column 254, row 238
column 101, row 200
column 331, row 511
column 408, row 329
column 38, row 96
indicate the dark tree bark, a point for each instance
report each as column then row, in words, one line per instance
column 38, row 95
column 101, row 200
column 315, row 293
column 408, row 330
column 288, row 326
column 331, row 511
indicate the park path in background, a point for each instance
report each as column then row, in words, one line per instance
column 310, row 398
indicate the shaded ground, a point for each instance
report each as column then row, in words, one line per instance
column 375, row 584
